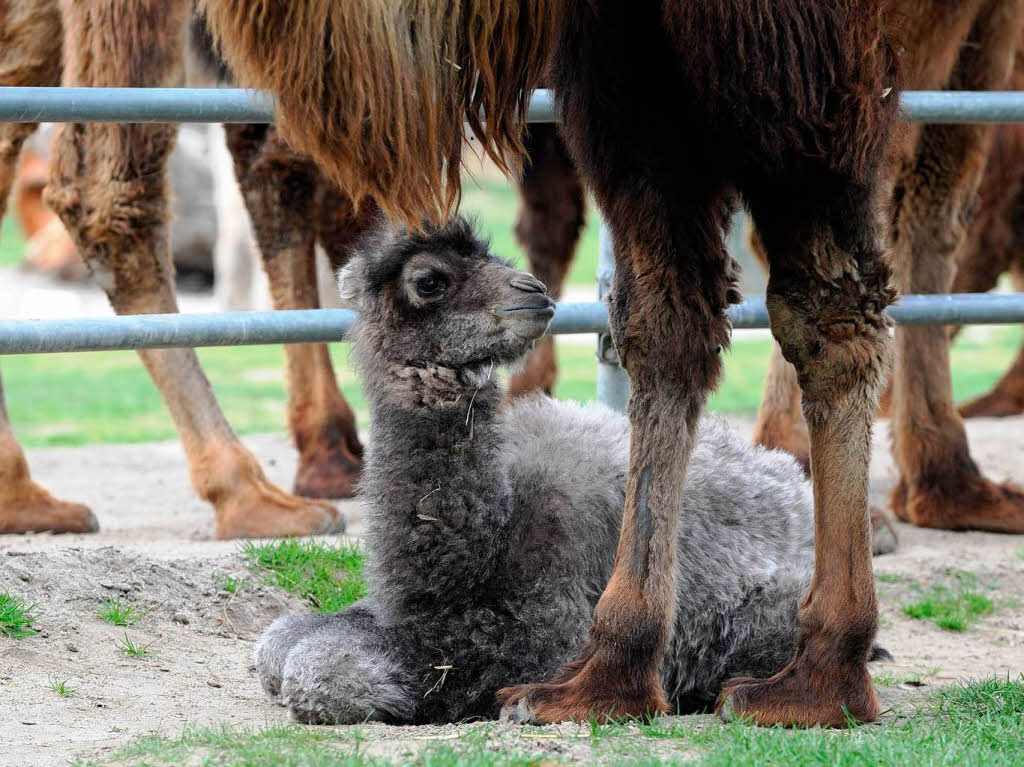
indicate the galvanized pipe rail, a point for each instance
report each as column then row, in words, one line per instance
column 161, row 331
column 238, row 105
column 233, row 105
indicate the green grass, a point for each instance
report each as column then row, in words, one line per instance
column 62, row 688
column 494, row 203
column 106, row 397
column 885, row 679
column 888, row 578
column 975, row 724
column 954, row 607
column 231, row 584
column 119, row 613
column 132, row 650
column 329, row 576
column 12, row 243
column 16, row 616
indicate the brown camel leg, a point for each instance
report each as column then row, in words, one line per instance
column 1007, row 396
column 29, row 55
column 780, row 420
column 281, row 192
column 109, row 187
column 940, row 484
column 25, row 507
column 826, row 295
column 550, row 218
column 673, row 282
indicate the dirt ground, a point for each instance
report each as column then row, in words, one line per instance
column 156, row 550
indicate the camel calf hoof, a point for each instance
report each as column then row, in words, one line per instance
column 327, row 670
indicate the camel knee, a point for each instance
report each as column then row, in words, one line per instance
column 837, row 337
column 279, row 187
column 109, row 187
column 671, row 356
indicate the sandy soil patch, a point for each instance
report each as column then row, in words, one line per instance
column 156, row 550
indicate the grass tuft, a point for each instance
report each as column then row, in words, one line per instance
column 888, row 577
column 231, row 584
column 885, row 679
column 129, row 648
column 118, row 613
column 954, row 608
column 329, row 576
column 16, row 616
column 62, row 688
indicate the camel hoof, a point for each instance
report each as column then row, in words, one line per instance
column 273, row 648
column 327, row 475
column 268, row 512
column 727, row 710
column 993, row 405
column 883, row 535
column 36, row 511
column 519, row 713
column 784, row 698
column 969, row 502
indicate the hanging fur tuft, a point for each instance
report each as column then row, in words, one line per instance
column 379, row 91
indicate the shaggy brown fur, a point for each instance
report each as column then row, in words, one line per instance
column 378, row 94
column 786, row 104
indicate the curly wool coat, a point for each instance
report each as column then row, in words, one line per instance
column 489, row 551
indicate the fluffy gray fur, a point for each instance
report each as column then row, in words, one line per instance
column 492, row 531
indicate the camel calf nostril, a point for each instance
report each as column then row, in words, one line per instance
column 528, row 283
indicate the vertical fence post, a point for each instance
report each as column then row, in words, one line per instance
column 612, row 381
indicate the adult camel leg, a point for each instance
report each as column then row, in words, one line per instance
column 29, row 55
column 551, row 215
column 780, row 421
column 109, row 187
column 25, row 507
column 281, row 192
column 940, row 484
column 673, row 282
column 827, row 291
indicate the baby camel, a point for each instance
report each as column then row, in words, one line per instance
column 492, row 531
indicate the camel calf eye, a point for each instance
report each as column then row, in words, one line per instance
column 429, row 286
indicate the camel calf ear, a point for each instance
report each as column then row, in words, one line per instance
column 352, row 284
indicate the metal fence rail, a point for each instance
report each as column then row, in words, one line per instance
column 236, row 105
column 243, row 106
column 161, row 331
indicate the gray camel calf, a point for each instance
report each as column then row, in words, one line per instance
column 492, row 531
